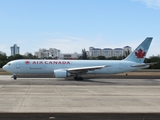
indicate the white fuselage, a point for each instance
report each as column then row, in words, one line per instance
column 48, row 66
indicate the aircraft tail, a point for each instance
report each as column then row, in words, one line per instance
column 139, row 54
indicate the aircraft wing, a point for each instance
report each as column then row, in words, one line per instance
column 143, row 64
column 85, row 69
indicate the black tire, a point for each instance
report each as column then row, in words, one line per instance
column 15, row 77
column 81, row 78
column 76, row 78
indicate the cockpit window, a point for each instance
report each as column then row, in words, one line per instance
column 9, row 63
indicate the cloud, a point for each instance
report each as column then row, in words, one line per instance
column 21, row 41
column 68, row 44
column 151, row 3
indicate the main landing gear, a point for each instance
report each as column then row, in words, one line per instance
column 14, row 77
column 78, row 78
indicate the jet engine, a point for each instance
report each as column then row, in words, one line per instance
column 61, row 73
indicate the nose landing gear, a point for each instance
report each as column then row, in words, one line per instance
column 14, row 77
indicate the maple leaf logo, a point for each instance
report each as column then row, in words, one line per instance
column 140, row 53
column 27, row 62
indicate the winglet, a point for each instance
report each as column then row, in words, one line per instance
column 139, row 54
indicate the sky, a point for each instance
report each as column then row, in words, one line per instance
column 72, row 25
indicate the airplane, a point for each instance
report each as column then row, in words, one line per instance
column 76, row 68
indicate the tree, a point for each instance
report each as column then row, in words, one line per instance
column 3, row 60
column 112, row 58
column 152, row 60
column 3, row 57
column 126, row 53
column 101, row 58
column 84, row 55
column 30, row 56
column 18, row 56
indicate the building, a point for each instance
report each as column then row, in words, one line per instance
column 117, row 52
column 54, row 53
column 71, row 56
column 94, row 52
column 127, row 50
column 44, row 53
column 15, row 50
column 108, row 52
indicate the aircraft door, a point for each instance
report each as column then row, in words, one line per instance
column 17, row 65
column 120, row 66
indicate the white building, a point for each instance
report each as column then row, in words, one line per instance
column 94, row 52
column 108, row 52
column 15, row 50
column 44, row 53
column 71, row 56
column 54, row 53
column 127, row 50
column 117, row 52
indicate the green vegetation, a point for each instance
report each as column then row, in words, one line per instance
column 4, row 59
column 153, row 59
column 84, row 55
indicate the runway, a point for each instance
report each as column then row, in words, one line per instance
column 7, row 80
column 50, row 95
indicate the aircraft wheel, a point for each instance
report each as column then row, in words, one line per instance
column 76, row 78
column 14, row 77
column 81, row 78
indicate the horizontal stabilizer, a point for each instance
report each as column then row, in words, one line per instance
column 143, row 64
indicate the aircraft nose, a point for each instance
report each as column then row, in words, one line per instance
column 4, row 67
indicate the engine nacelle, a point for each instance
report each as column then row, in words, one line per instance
column 61, row 73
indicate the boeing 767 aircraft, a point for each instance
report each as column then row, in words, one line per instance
column 65, row 68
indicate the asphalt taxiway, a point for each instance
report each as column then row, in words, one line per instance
column 50, row 95
column 92, row 95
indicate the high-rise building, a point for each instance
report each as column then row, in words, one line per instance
column 15, row 50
